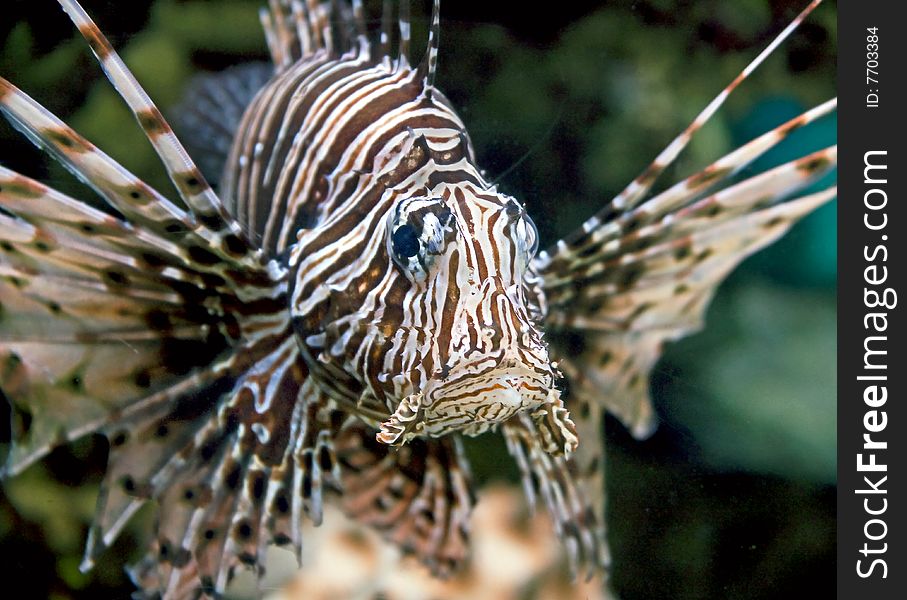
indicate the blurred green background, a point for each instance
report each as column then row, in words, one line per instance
column 733, row 497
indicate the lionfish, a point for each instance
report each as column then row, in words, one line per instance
column 354, row 299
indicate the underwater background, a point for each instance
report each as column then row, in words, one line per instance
column 734, row 494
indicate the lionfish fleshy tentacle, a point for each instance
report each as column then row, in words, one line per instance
column 226, row 238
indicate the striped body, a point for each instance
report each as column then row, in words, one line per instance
column 354, row 298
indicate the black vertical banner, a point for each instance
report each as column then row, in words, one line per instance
column 872, row 435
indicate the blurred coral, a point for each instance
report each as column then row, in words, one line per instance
column 515, row 554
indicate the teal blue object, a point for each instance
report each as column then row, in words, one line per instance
column 807, row 256
column 753, row 397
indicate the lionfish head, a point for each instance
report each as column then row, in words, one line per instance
column 438, row 325
column 477, row 357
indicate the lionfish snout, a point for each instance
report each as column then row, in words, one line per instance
column 479, row 409
column 485, row 391
column 498, row 369
column 471, row 398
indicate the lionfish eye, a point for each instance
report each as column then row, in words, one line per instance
column 405, row 241
column 419, row 229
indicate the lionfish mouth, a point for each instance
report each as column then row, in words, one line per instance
column 470, row 405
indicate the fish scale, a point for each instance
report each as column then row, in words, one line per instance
column 355, row 298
